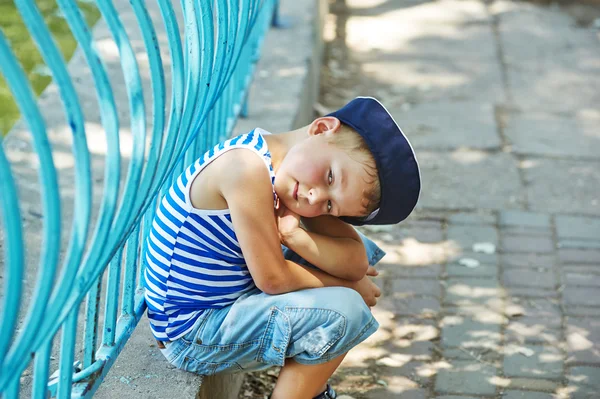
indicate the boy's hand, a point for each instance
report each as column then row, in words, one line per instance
column 287, row 222
column 367, row 288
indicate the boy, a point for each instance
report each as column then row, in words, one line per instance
column 221, row 295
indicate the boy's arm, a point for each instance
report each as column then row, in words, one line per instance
column 330, row 244
column 247, row 189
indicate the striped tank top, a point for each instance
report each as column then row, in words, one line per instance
column 193, row 258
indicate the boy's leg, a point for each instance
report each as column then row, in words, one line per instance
column 314, row 327
column 296, row 379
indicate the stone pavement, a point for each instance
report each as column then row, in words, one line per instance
column 492, row 287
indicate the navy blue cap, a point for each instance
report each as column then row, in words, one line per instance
column 397, row 164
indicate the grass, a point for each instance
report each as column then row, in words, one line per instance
column 27, row 53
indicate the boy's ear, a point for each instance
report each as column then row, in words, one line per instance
column 324, row 124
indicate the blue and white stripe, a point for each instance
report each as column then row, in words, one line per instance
column 194, row 260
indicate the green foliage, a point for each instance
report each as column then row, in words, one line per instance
column 27, row 53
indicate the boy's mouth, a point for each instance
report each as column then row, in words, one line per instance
column 295, row 194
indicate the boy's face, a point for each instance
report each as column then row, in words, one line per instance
column 317, row 178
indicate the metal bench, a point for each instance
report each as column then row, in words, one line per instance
column 92, row 224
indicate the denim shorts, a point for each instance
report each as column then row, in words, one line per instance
column 258, row 330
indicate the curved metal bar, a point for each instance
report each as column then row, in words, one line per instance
column 131, row 263
column 81, row 217
column 193, row 65
column 67, row 355
column 13, row 251
column 89, row 270
column 40, row 371
column 88, row 371
column 177, row 98
column 110, row 122
column 112, row 299
column 205, row 72
column 23, row 95
column 157, row 81
column 112, row 172
column 205, row 85
column 133, row 84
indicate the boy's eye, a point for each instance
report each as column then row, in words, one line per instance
column 330, row 176
column 329, row 206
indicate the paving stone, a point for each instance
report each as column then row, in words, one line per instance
column 466, row 291
column 579, row 279
column 573, row 243
column 454, row 397
column 414, row 330
column 546, row 135
column 526, row 395
column 583, row 340
column 488, row 313
column 533, row 384
column 539, row 44
column 536, row 244
column 589, row 270
column 478, row 218
column 531, row 292
column 580, row 256
column 399, row 365
column 585, row 380
column 534, row 261
column 422, row 231
column 453, row 180
column 425, row 221
column 581, row 393
column 483, row 258
column 423, row 271
column 531, row 330
column 466, row 377
column 582, row 296
column 427, row 235
column 525, row 231
column 545, row 362
column 578, row 227
column 416, row 287
column 581, row 311
column 419, row 307
column 456, row 270
column 551, row 183
column 466, row 236
column 536, row 309
column 435, row 126
column 524, row 277
column 536, row 84
column 524, row 218
column 480, row 354
column 397, row 388
column 421, row 351
column 467, row 333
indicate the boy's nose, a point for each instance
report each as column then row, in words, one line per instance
column 313, row 196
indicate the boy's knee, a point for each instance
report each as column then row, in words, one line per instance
column 348, row 302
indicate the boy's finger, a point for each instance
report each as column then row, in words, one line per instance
column 371, row 271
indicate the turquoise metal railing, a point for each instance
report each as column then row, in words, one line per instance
column 212, row 63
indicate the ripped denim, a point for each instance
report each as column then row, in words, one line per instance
column 258, row 330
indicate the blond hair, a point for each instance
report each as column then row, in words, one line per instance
column 350, row 141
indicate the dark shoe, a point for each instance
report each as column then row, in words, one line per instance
column 329, row 393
